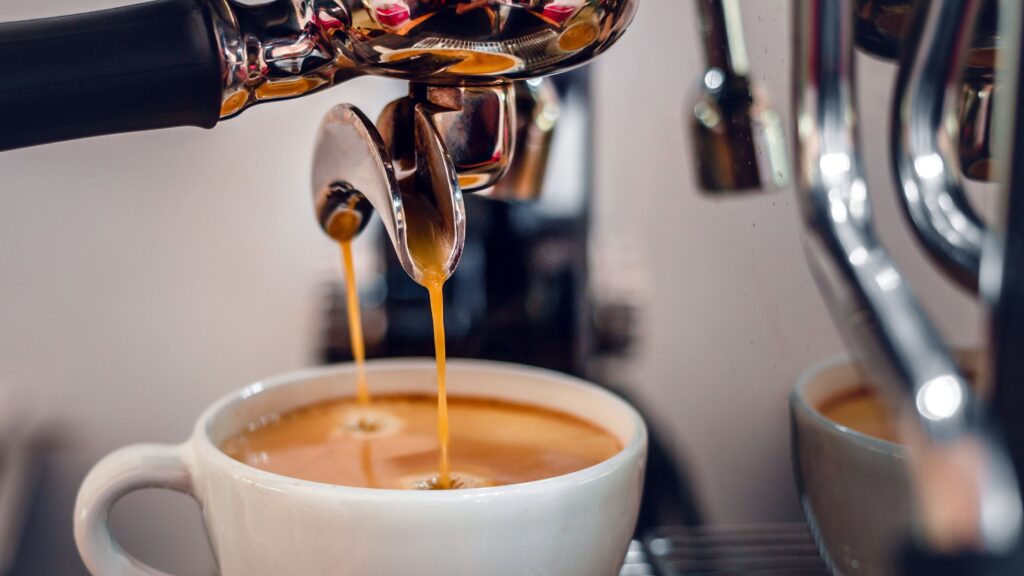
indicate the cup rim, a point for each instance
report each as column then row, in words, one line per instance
column 798, row 401
column 212, row 453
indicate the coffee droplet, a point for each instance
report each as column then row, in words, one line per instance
column 459, row 481
column 368, row 424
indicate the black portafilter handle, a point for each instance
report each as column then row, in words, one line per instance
column 140, row 67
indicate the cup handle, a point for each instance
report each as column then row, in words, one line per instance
column 119, row 473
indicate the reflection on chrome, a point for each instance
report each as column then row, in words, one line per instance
column 350, row 155
column 834, row 164
column 473, row 66
column 924, row 140
column 714, row 79
column 940, row 398
column 288, row 48
column 867, row 296
column 888, row 279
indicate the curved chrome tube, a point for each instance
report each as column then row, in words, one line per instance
column 924, row 128
column 875, row 308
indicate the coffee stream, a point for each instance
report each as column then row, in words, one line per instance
column 355, row 323
column 392, row 442
column 430, row 250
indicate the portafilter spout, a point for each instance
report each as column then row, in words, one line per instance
column 353, row 175
column 456, row 130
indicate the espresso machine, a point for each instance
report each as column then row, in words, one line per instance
column 477, row 116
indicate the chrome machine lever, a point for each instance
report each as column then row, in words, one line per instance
column 924, row 136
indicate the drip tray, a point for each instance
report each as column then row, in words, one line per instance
column 756, row 550
column 637, row 563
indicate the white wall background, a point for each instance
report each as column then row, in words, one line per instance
column 142, row 276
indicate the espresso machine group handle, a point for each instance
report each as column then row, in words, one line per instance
column 140, row 67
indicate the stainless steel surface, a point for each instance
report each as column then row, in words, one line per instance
column 277, row 50
column 977, row 111
column 472, row 132
column 287, row 48
column 352, row 168
column 887, row 29
column 882, row 28
column 981, row 87
column 738, row 139
column 537, row 112
column 434, row 178
column 476, row 123
column 524, row 292
column 233, row 61
column 925, row 134
column 1002, row 272
column 755, row 549
column 461, row 57
column 874, row 307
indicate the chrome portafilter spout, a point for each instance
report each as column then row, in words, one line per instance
column 476, row 124
column 456, row 130
column 537, row 112
column 354, row 175
column 426, row 149
column 738, row 138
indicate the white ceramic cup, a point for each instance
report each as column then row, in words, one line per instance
column 853, row 487
column 263, row 523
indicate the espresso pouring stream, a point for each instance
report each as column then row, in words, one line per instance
column 429, row 248
column 417, row 195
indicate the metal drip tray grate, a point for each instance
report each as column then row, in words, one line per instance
column 757, row 550
column 636, row 562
